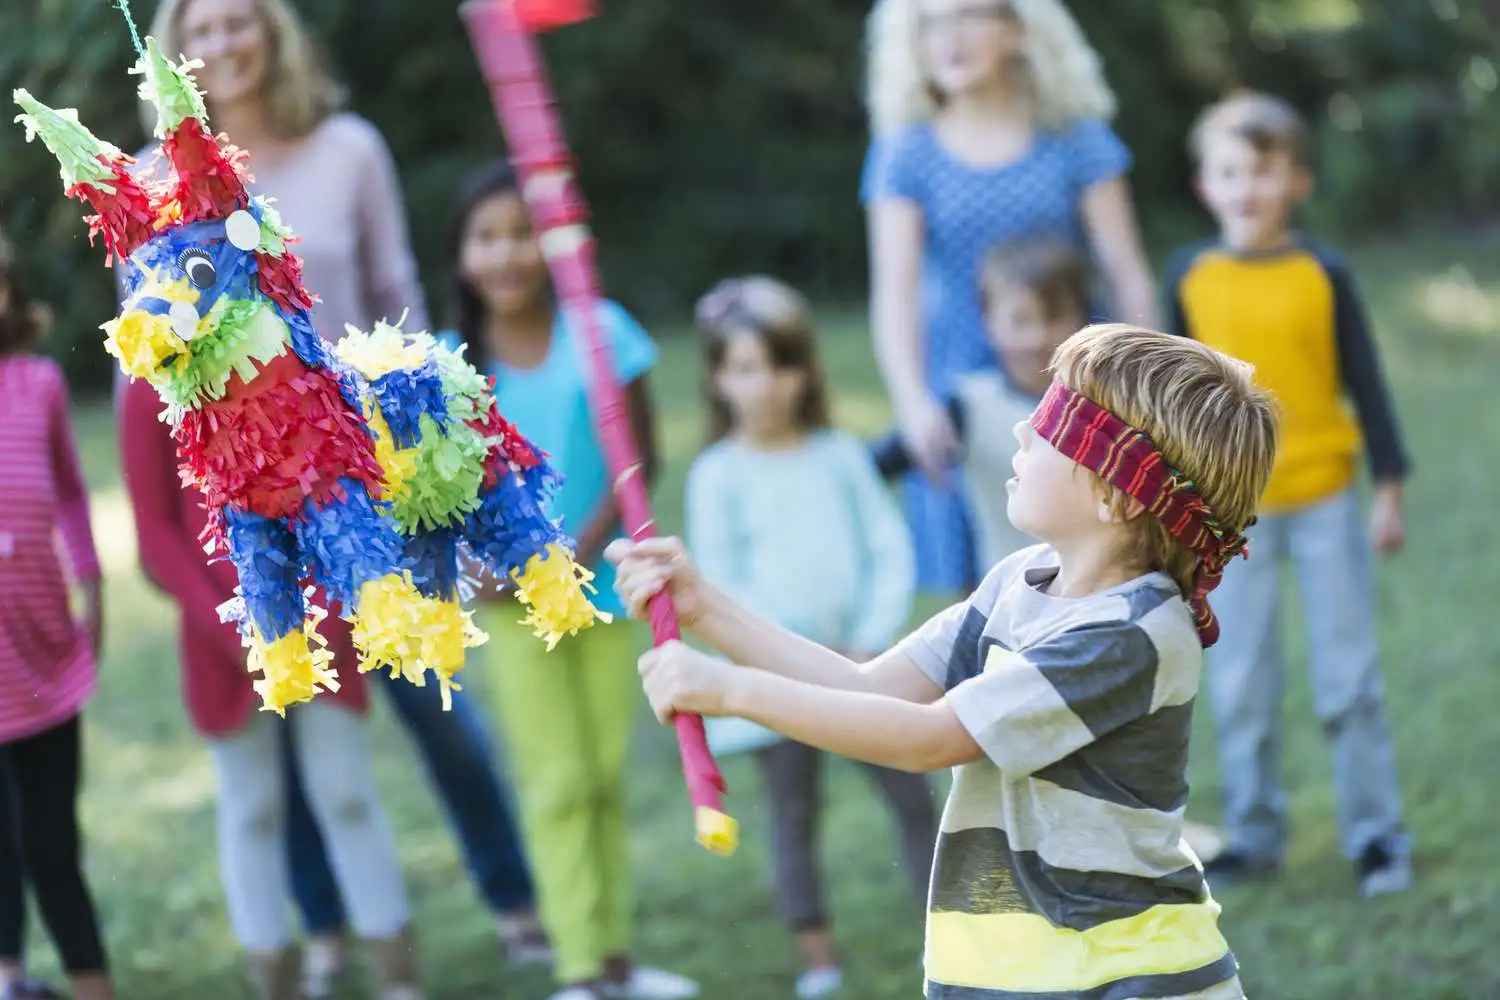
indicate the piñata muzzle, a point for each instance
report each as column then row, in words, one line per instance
column 1125, row 458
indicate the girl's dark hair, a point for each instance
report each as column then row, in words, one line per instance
column 779, row 315
column 22, row 321
column 465, row 308
column 1047, row 267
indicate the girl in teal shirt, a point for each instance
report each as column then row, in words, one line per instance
column 568, row 714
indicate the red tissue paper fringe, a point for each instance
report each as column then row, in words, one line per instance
column 210, row 172
column 280, row 279
column 125, row 215
column 269, row 446
column 507, row 445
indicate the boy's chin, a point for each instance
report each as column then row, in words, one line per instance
column 1254, row 234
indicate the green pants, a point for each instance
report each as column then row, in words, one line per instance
column 568, row 718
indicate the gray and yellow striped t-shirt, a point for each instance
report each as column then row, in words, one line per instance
column 1061, row 872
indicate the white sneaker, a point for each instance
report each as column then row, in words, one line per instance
column 816, row 983
column 646, row 983
column 1384, row 869
column 323, row 964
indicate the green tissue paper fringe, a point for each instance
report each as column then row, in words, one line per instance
column 247, row 333
column 170, row 89
column 80, row 153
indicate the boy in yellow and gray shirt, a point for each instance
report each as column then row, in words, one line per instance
column 1263, row 293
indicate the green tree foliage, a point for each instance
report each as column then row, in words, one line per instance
column 729, row 136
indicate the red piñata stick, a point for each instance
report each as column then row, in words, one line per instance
column 512, row 67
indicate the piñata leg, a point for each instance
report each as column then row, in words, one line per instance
column 285, row 648
column 515, row 540
column 356, row 552
column 432, row 561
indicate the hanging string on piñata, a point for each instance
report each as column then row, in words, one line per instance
column 368, row 469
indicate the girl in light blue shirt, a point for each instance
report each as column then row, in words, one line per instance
column 790, row 516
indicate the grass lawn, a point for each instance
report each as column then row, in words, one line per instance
column 149, row 801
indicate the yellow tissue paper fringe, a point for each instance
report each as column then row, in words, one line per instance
column 381, row 351
column 400, row 629
column 556, row 590
column 397, row 464
column 293, row 667
column 141, row 341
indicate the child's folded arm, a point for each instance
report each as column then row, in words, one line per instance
column 861, row 724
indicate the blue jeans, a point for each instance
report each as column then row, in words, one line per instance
column 1326, row 544
column 457, row 751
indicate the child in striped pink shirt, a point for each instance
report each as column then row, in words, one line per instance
column 46, row 658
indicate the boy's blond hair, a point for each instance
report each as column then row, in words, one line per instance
column 1268, row 123
column 1202, row 410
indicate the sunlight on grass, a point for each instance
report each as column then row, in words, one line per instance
column 114, row 529
column 1457, row 302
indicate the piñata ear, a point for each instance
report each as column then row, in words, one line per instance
column 95, row 172
column 210, row 176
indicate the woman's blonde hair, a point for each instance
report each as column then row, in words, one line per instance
column 299, row 91
column 1061, row 68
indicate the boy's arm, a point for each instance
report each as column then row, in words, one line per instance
column 934, row 659
column 1024, row 711
column 876, row 728
column 744, row 637
column 1360, row 368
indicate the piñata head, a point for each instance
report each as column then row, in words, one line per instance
column 208, row 268
column 364, row 469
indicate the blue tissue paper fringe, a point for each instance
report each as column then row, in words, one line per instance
column 405, row 395
column 348, row 543
column 510, row 526
column 264, row 553
column 432, row 558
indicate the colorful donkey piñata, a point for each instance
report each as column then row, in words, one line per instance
column 365, row 468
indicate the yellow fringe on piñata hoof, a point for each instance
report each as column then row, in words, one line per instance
column 398, row 628
column 556, row 590
column 294, row 667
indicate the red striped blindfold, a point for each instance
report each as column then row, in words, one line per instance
column 1125, row 458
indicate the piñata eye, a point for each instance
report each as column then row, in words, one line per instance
column 198, row 267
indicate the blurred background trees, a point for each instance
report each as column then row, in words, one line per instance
column 729, row 135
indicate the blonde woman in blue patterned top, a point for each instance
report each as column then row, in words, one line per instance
column 990, row 125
